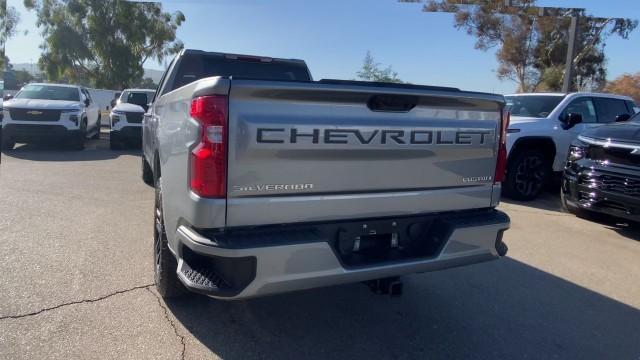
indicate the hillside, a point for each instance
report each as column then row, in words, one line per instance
column 155, row 75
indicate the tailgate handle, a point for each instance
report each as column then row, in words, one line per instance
column 392, row 103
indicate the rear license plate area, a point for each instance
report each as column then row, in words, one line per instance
column 380, row 241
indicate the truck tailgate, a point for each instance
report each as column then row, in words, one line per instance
column 302, row 152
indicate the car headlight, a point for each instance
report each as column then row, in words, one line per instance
column 70, row 111
column 575, row 153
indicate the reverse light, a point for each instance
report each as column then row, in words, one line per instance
column 501, row 162
column 208, row 161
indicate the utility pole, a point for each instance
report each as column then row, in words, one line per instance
column 571, row 52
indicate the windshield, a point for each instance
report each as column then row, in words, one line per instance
column 49, row 92
column 141, row 98
column 194, row 67
column 537, row 106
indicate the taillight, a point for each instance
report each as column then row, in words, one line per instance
column 501, row 163
column 208, row 163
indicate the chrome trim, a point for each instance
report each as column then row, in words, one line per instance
column 608, row 143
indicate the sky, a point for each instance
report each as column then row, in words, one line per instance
column 333, row 36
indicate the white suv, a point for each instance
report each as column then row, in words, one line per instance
column 126, row 117
column 50, row 111
column 541, row 129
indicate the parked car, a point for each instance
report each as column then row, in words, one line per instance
column 541, row 129
column 50, row 111
column 126, row 117
column 602, row 174
column 267, row 181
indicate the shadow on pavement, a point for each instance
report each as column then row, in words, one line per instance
column 503, row 309
column 50, row 151
column 628, row 230
column 548, row 201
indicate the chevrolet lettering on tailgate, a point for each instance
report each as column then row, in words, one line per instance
column 375, row 137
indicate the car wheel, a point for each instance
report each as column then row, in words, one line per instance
column 147, row 174
column 165, row 264
column 77, row 143
column 527, row 174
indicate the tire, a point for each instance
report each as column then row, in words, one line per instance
column 96, row 136
column 147, row 174
column 165, row 265
column 77, row 143
column 527, row 174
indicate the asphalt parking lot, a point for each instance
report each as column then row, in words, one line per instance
column 76, row 282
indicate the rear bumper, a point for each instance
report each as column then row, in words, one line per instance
column 129, row 132
column 265, row 262
column 37, row 132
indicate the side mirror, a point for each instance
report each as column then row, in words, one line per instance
column 7, row 97
column 623, row 117
column 87, row 102
column 571, row 120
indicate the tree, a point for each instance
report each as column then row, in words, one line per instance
column 532, row 49
column 146, row 83
column 371, row 71
column 23, row 77
column 627, row 84
column 9, row 18
column 103, row 42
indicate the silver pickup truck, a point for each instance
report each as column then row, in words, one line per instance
column 267, row 181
